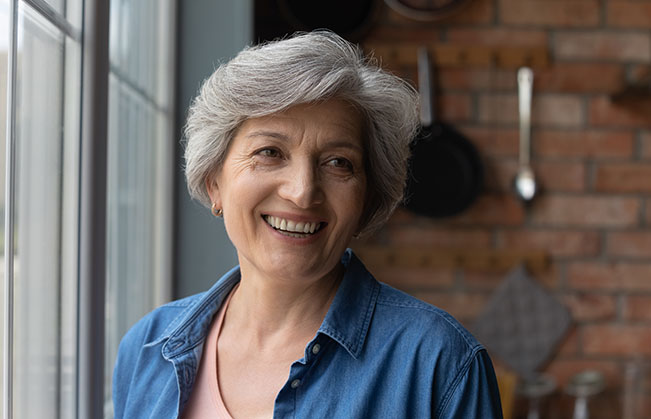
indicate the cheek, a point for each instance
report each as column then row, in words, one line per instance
column 352, row 203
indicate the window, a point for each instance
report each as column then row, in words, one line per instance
column 43, row 254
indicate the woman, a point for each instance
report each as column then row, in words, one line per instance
column 300, row 145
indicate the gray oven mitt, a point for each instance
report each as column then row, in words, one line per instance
column 522, row 323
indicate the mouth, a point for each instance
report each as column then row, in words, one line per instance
column 296, row 229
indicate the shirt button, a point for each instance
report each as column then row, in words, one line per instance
column 296, row 383
column 316, row 348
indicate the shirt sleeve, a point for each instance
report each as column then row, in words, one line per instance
column 121, row 378
column 476, row 394
column 125, row 365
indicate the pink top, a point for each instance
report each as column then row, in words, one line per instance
column 206, row 400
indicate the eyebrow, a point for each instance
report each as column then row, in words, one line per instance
column 281, row 136
column 272, row 134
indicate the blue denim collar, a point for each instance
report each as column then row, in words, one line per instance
column 347, row 321
column 349, row 317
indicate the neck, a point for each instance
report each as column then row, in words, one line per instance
column 269, row 309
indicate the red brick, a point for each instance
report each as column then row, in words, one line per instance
column 591, row 307
column 490, row 280
column 638, row 72
column 646, row 145
column 559, row 243
column 438, row 236
column 493, row 141
column 633, row 244
column 476, row 79
column 498, row 174
column 400, row 34
column 551, row 176
column 477, row 12
column 594, row 45
column 583, row 144
column 549, row 109
column 497, row 36
column 492, row 210
column 560, row 176
column 402, row 216
column 624, row 177
column 564, row 369
column 629, row 14
column 463, row 306
column 585, row 211
column 482, row 280
column 455, row 107
column 576, row 13
column 604, row 276
column 603, row 112
column 411, row 280
column 617, row 339
column 569, row 346
column 637, row 308
column 642, row 403
column 580, row 78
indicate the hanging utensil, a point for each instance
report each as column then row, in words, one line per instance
column 525, row 181
column 445, row 169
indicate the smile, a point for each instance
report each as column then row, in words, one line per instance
column 291, row 228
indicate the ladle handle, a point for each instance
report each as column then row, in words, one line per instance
column 525, row 87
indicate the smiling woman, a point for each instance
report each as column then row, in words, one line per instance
column 299, row 145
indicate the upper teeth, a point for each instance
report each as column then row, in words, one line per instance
column 293, row 226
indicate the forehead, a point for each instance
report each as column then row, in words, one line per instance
column 329, row 120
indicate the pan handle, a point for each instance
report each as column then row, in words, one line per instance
column 425, row 87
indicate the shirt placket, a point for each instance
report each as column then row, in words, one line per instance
column 288, row 398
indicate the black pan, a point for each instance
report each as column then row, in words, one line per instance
column 350, row 19
column 445, row 170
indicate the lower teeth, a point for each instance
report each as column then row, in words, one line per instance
column 297, row 235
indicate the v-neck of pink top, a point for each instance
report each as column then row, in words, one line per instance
column 206, row 400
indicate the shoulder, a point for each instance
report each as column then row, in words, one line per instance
column 461, row 374
column 424, row 320
column 140, row 366
column 159, row 322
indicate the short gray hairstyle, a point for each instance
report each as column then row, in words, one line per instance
column 306, row 68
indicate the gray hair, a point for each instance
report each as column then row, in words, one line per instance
column 306, row 68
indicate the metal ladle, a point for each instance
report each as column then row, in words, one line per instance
column 525, row 181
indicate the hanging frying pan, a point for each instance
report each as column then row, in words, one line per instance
column 350, row 19
column 445, row 170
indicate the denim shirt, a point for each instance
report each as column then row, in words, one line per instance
column 379, row 353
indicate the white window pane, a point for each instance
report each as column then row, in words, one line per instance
column 4, row 53
column 142, row 45
column 45, row 224
column 140, row 167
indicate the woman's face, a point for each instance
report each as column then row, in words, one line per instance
column 292, row 188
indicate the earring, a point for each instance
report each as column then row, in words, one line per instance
column 215, row 211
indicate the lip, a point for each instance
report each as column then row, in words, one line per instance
column 299, row 218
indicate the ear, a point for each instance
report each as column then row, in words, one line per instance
column 212, row 188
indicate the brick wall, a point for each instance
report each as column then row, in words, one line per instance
column 592, row 158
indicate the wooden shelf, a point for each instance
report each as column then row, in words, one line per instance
column 485, row 260
column 451, row 55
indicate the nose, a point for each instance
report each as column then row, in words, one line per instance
column 300, row 185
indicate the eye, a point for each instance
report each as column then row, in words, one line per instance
column 340, row 163
column 268, row 152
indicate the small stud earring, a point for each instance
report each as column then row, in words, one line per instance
column 217, row 212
